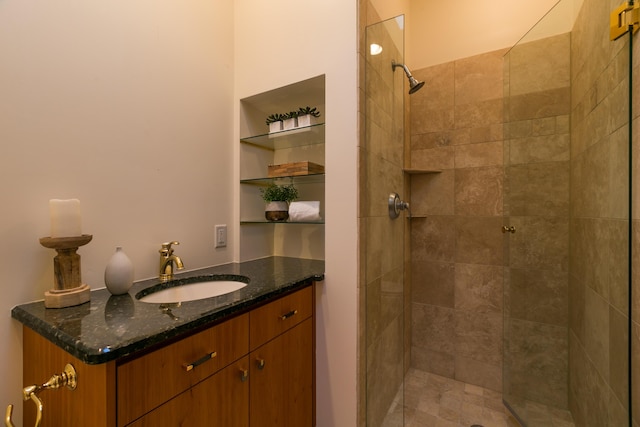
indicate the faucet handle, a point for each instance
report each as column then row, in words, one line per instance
column 166, row 247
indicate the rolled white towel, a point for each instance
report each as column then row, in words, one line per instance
column 304, row 211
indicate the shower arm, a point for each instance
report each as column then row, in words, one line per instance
column 404, row 67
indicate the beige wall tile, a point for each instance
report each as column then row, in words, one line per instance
column 479, row 78
column 618, row 355
column 539, row 243
column 478, row 191
column 538, row 357
column 433, row 283
column 552, row 102
column 597, row 332
column 480, row 114
column 439, row 90
column 545, row 148
column 540, row 65
column 432, row 121
column 479, row 373
column 432, row 194
column 635, row 376
column 479, row 240
column 478, row 336
column 478, row 288
column 476, row 155
column 433, row 361
column 433, row 159
column 432, row 328
column 539, row 296
column 433, row 239
column 576, row 307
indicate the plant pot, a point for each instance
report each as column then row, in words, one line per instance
column 307, row 120
column 289, row 123
column 276, row 211
column 275, row 126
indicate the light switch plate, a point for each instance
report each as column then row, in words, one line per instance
column 221, row 235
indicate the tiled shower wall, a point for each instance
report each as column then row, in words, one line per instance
column 456, row 242
column 598, row 386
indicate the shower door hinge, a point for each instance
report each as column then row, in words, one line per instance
column 624, row 18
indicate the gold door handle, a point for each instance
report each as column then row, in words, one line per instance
column 260, row 363
column 507, row 229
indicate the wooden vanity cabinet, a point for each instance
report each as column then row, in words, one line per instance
column 253, row 370
column 282, row 368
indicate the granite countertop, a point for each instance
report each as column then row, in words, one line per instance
column 110, row 327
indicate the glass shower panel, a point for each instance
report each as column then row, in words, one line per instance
column 381, row 168
column 566, row 221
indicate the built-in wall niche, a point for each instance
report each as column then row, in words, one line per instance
column 259, row 149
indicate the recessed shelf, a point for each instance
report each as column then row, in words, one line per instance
column 297, row 179
column 281, row 222
column 421, row 171
column 298, row 137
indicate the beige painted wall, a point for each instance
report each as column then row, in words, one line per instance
column 131, row 109
column 128, row 107
column 440, row 31
column 278, row 43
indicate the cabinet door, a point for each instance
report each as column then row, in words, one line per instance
column 282, row 380
column 221, row 401
column 149, row 381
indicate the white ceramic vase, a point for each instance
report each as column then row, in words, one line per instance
column 118, row 275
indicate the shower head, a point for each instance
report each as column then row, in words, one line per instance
column 414, row 85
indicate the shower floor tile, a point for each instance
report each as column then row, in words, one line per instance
column 435, row 401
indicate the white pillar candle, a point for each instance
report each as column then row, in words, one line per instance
column 66, row 220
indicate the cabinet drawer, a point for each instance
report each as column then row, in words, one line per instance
column 222, row 400
column 150, row 380
column 270, row 320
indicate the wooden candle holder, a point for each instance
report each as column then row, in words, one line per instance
column 68, row 287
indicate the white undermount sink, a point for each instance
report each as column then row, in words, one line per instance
column 192, row 289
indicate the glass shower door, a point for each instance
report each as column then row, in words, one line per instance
column 566, row 225
column 383, row 278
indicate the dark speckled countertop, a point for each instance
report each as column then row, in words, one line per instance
column 110, row 327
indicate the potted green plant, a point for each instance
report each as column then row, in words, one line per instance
column 277, row 199
column 290, row 120
column 274, row 121
column 306, row 116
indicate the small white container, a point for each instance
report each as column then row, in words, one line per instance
column 275, row 126
column 307, row 120
column 291, row 123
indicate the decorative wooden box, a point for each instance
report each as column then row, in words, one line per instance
column 294, row 169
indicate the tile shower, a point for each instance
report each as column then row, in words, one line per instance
column 534, row 137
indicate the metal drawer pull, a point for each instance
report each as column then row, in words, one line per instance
column 260, row 363
column 244, row 375
column 192, row 366
column 289, row 314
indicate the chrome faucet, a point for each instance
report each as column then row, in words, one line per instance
column 167, row 258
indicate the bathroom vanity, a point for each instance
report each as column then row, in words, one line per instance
column 246, row 358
